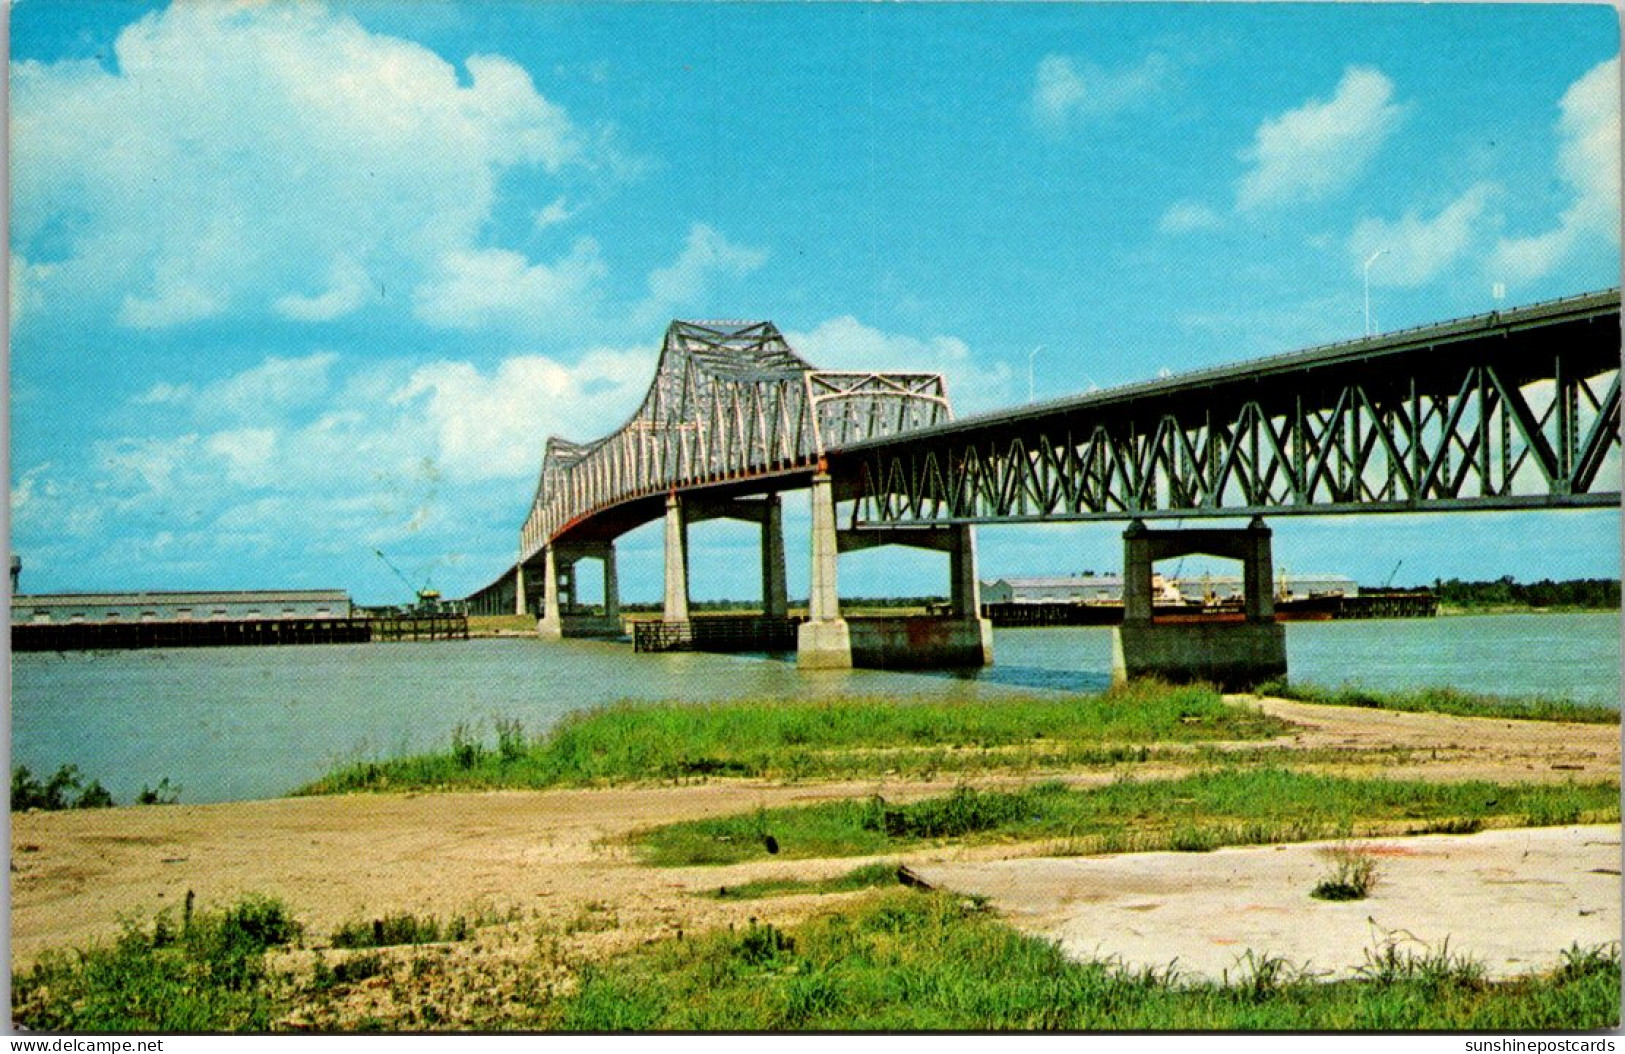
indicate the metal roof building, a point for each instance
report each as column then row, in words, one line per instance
column 232, row 605
column 1081, row 589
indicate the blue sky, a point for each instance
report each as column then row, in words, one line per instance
column 292, row 283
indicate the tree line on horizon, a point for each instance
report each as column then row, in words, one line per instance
column 1573, row 592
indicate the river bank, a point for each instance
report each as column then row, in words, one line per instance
column 561, row 865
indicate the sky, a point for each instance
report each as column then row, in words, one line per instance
column 292, row 283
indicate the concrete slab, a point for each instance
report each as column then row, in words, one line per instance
column 1511, row 899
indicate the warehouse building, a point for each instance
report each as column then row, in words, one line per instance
column 225, row 606
column 1096, row 589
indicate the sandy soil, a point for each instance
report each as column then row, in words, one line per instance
column 554, row 855
column 1512, row 899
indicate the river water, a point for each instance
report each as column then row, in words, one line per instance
column 230, row 724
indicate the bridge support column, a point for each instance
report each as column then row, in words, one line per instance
column 551, row 624
column 612, row 588
column 676, row 606
column 519, row 588
column 1232, row 655
column 824, row 641
column 960, row 638
column 775, row 593
column 561, row 616
column 767, row 511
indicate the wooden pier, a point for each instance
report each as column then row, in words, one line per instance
column 718, row 633
column 223, row 633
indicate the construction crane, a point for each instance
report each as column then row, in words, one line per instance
column 1390, row 583
column 428, row 598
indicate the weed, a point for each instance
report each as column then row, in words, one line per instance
column 868, row 876
column 466, row 751
column 1264, row 975
column 1354, row 873
column 593, row 917
column 399, row 929
column 764, row 943
column 511, row 744
column 1189, row 838
column 57, row 792
column 1392, row 962
column 163, row 794
column 1580, row 962
column 208, row 976
column 1454, row 825
column 358, row 968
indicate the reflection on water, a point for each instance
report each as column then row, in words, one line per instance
column 235, row 723
column 1040, row 677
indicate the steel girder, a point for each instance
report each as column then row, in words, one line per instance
column 730, row 401
column 1515, row 409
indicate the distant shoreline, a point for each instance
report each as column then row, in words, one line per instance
column 1456, row 610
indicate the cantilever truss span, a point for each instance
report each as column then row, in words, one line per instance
column 730, row 402
column 1515, row 409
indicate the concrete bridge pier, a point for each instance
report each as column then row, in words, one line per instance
column 529, row 587
column 675, row 608
column 767, row 511
column 561, row 614
column 1232, row 655
column 827, row 641
column 824, row 641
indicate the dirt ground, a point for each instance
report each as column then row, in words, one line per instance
column 554, row 855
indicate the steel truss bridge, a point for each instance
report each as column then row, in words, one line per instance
column 1516, row 409
column 1509, row 410
column 732, row 410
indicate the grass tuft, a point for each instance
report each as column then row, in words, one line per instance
column 1445, row 700
column 205, row 974
column 1197, row 813
column 392, row 930
column 798, row 739
column 1354, row 874
column 868, row 876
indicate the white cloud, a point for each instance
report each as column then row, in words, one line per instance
column 1065, row 90
column 266, row 158
column 273, row 387
column 1184, row 217
column 844, row 343
column 554, row 213
column 1319, row 148
column 347, row 289
column 1419, row 249
column 477, row 288
column 706, row 254
column 1588, row 161
column 494, row 425
column 249, row 454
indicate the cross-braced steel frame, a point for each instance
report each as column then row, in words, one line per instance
column 1515, row 409
column 730, row 401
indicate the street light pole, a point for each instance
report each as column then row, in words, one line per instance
column 1368, row 262
column 1030, row 356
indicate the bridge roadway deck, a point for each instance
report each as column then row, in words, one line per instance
column 1445, row 417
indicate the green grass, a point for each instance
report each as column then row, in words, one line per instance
column 894, row 961
column 918, row 961
column 403, row 928
column 1242, row 806
column 1443, row 700
column 794, row 739
column 204, row 973
column 869, row 876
